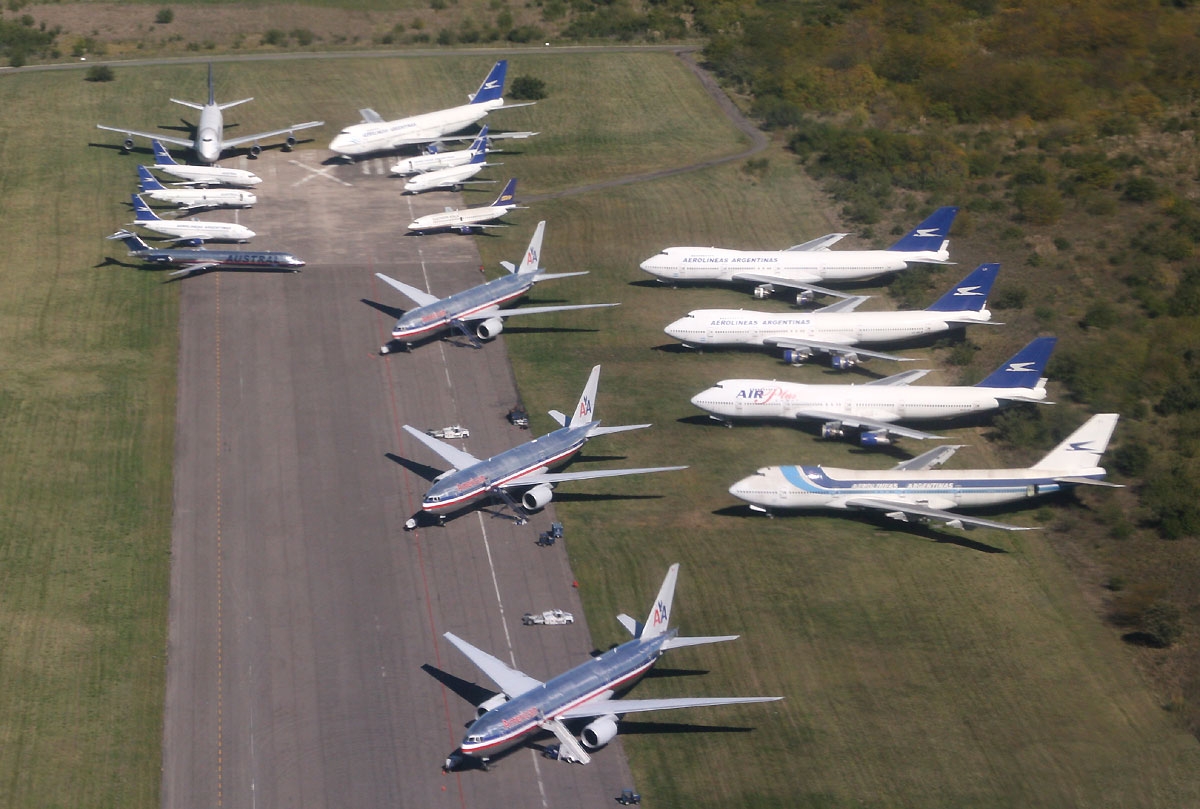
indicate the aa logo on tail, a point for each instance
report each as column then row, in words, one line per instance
column 659, row 616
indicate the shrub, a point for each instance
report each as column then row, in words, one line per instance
column 99, row 73
column 274, row 37
column 164, row 16
column 303, row 36
column 1140, row 189
column 1162, row 623
column 1039, row 204
column 525, row 33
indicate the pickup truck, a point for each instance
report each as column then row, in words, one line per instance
column 548, row 618
column 455, row 431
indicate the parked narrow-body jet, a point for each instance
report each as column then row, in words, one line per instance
column 465, row 220
column 198, row 259
column 188, row 228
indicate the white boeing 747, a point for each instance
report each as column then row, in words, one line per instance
column 192, row 229
column 210, row 140
column 465, row 220
column 377, row 135
column 526, row 705
column 837, row 330
column 874, row 407
column 913, row 491
column 200, row 175
column 805, row 265
column 193, row 199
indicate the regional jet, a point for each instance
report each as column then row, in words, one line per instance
column 188, row 228
column 434, row 158
column 465, row 220
column 526, row 705
column 873, row 408
column 804, row 265
column 193, row 199
column 837, row 330
column 455, row 176
column 200, row 175
column 525, row 466
column 198, row 259
column 209, row 140
column 377, row 135
column 911, row 491
column 479, row 305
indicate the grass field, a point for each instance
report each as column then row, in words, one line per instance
column 921, row 668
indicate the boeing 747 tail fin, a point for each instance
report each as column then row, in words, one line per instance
column 493, row 86
column 930, row 234
column 971, row 293
column 1023, row 369
column 1081, row 450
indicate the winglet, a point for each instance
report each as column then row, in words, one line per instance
column 585, row 410
column 1023, row 369
column 929, row 235
column 970, row 294
column 529, row 263
column 493, row 86
column 660, row 613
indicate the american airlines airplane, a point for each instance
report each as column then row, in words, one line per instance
column 525, row 466
column 199, row 259
column 526, row 705
column 210, row 141
column 464, row 220
column 377, row 135
column 874, row 407
column 912, row 491
column 479, row 305
column 188, row 228
column 200, row 175
column 837, row 330
column 454, row 176
column 805, row 265
column 193, row 199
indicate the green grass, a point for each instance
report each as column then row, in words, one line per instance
column 917, row 672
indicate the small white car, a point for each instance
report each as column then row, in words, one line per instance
column 549, row 618
column 454, row 431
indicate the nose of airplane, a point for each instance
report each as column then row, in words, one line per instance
column 652, row 266
column 704, row 397
column 741, row 489
column 676, row 329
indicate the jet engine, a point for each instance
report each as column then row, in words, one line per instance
column 537, row 497
column 832, row 429
column 255, row 150
column 795, row 356
column 804, row 297
column 875, row 438
column 763, row 291
column 290, row 143
column 843, row 362
column 127, row 144
column 489, row 328
column 600, row 732
column 490, row 705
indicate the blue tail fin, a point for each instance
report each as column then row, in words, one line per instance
column 142, row 210
column 161, row 156
column 507, row 195
column 479, row 146
column 493, row 86
column 147, row 181
column 930, row 234
column 971, row 293
column 132, row 241
column 1023, row 369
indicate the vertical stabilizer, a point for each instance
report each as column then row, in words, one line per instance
column 212, row 89
column 508, row 195
column 971, row 293
column 147, row 181
column 141, row 210
column 479, row 146
column 132, row 241
column 533, row 254
column 493, row 86
column 161, row 156
column 1024, row 369
column 660, row 612
column 1082, row 449
column 585, row 410
column 929, row 235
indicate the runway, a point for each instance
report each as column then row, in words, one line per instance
column 302, row 614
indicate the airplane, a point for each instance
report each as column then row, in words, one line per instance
column 192, row 199
column 872, row 408
column 480, row 304
column 200, row 175
column 804, row 265
column 465, row 220
column 524, row 466
column 188, row 228
column 209, row 140
column 455, row 175
column 196, row 259
column 526, row 705
column 433, row 158
column 374, row 134
column 910, row 492
column 837, row 330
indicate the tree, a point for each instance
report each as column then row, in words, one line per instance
column 164, row 16
column 99, row 73
column 527, row 88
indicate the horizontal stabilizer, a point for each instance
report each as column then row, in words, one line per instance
column 623, row 428
column 191, row 104
column 633, row 625
column 559, row 417
column 1082, row 481
column 678, row 642
column 229, row 104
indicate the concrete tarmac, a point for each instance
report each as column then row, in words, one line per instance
column 305, row 623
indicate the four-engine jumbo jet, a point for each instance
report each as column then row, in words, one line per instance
column 524, row 466
column 526, row 705
column 188, row 228
column 377, row 135
column 480, row 304
column 197, row 259
column 911, row 491
column 200, row 175
column 465, row 220
column 210, row 141
column 837, row 330
column 805, row 265
column 193, row 199
column 455, row 175
column 872, row 408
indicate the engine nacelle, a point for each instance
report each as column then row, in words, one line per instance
column 290, row 143
column 832, row 429
column 537, row 497
column 489, row 328
column 490, row 705
column 843, row 362
column 875, row 438
column 795, row 356
column 255, row 150
column 127, row 144
column 763, row 291
column 599, row 733
column 804, row 297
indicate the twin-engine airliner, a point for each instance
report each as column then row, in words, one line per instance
column 200, row 175
column 526, row 705
column 188, row 228
column 199, row 259
column 465, row 220
column 193, row 199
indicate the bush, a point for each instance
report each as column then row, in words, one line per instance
column 1140, row 189
column 303, row 36
column 527, row 88
column 1039, row 204
column 525, row 33
column 99, row 73
column 274, row 37
column 1162, row 623
column 164, row 16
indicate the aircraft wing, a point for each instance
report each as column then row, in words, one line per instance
column 847, row 304
column 535, row 478
column 901, row 511
column 531, row 310
column 790, row 283
column 233, row 143
column 150, row 135
column 512, row 682
column 823, row 243
column 902, row 378
column 927, row 460
column 603, row 707
column 870, row 424
column 369, row 116
column 450, row 454
column 418, row 296
column 831, row 348
column 198, row 266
